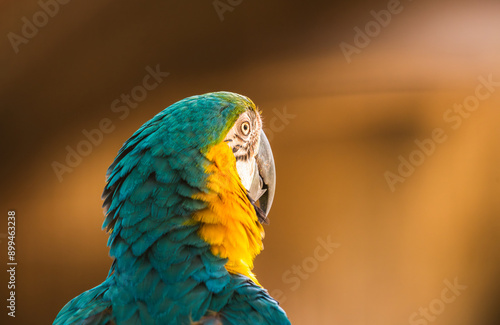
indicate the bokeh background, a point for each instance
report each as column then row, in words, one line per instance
column 336, row 129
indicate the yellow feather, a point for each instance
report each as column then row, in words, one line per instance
column 229, row 223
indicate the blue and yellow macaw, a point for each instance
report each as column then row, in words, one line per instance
column 185, row 201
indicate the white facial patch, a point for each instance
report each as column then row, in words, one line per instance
column 246, row 170
column 244, row 138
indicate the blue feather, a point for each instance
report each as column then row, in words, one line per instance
column 163, row 272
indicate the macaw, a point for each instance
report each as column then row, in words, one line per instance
column 185, row 201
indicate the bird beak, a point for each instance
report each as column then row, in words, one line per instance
column 264, row 178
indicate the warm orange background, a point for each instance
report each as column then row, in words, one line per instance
column 348, row 124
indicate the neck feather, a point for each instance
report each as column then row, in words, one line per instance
column 229, row 223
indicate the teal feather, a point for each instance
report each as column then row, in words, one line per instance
column 163, row 272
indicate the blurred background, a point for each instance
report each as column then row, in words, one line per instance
column 383, row 117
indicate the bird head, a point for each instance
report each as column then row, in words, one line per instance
column 204, row 163
column 254, row 159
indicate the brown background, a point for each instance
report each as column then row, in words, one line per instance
column 351, row 122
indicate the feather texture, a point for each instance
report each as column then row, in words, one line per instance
column 182, row 231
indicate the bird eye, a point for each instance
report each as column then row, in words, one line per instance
column 245, row 128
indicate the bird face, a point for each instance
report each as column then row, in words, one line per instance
column 254, row 158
